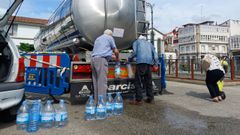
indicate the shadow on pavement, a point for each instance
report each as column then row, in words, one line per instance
column 204, row 96
column 6, row 124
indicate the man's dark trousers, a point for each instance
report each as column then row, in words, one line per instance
column 143, row 80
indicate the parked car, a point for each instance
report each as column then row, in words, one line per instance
column 11, row 66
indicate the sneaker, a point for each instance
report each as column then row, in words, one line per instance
column 165, row 92
column 135, row 102
column 149, row 101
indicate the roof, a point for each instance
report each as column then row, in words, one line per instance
column 202, row 23
column 28, row 20
column 156, row 30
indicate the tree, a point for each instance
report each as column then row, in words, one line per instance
column 26, row 47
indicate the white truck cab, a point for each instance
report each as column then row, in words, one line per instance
column 11, row 65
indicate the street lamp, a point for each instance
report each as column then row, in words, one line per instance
column 152, row 33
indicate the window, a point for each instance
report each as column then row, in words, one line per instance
column 213, row 48
column 193, row 48
column 203, row 48
column 223, row 48
column 188, row 49
column 182, row 49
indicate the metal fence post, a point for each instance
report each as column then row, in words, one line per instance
column 169, row 66
column 176, row 65
column 192, row 69
column 232, row 68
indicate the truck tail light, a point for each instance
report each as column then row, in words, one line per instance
column 21, row 70
column 81, row 71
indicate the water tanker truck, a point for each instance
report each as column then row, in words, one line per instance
column 76, row 24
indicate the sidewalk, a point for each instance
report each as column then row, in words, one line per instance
column 195, row 97
column 202, row 82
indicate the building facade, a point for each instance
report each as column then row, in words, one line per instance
column 234, row 45
column 171, row 42
column 196, row 40
column 25, row 29
column 234, row 40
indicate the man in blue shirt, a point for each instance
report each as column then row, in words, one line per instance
column 104, row 45
column 146, row 56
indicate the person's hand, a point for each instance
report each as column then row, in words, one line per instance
column 117, row 63
column 155, row 68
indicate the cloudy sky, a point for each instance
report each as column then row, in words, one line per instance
column 168, row 14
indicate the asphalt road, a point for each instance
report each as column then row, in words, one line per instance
column 187, row 112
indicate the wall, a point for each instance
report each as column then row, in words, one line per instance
column 25, row 33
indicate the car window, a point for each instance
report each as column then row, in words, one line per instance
column 4, row 6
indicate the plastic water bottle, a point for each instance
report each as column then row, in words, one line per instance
column 117, row 70
column 109, row 104
column 47, row 118
column 40, row 107
column 22, row 116
column 118, row 104
column 61, row 115
column 90, row 109
column 34, row 114
column 101, row 108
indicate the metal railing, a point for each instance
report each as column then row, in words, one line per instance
column 192, row 69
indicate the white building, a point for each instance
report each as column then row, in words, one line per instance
column 25, row 29
column 234, row 40
column 196, row 40
column 157, row 35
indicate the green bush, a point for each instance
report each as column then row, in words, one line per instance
column 26, row 47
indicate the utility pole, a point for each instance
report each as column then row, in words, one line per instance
column 152, row 33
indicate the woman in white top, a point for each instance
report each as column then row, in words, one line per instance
column 214, row 73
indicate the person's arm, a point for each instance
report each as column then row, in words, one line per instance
column 114, row 48
column 116, row 52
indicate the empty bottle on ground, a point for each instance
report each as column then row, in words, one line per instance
column 118, row 104
column 34, row 114
column 109, row 104
column 61, row 115
column 90, row 109
column 47, row 118
column 22, row 116
column 101, row 108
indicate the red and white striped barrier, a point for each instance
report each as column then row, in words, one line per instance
column 44, row 61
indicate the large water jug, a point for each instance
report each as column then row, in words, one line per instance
column 118, row 104
column 90, row 109
column 61, row 115
column 109, row 104
column 101, row 108
column 47, row 115
column 34, row 114
column 22, row 116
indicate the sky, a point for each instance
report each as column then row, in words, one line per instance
column 168, row 14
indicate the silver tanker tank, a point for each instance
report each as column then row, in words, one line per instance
column 77, row 23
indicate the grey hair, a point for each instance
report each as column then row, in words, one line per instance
column 108, row 32
column 142, row 37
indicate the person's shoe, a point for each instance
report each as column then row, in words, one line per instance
column 215, row 99
column 220, row 98
column 135, row 102
column 149, row 101
column 165, row 92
